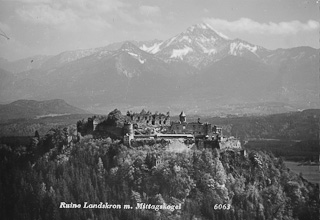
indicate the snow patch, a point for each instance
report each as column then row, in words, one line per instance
column 209, row 51
column 137, row 57
column 222, row 35
column 153, row 49
column 186, row 38
column 207, row 26
column 133, row 54
column 141, row 60
column 172, row 39
column 203, row 26
column 236, row 48
column 205, row 39
column 181, row 52
column 206, row 50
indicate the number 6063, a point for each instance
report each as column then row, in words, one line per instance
column 222, row 206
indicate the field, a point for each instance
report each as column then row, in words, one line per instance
column 311, row 173
column 288, row 149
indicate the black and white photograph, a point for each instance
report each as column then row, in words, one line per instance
column 159, row 109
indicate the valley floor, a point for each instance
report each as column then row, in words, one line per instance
column 311, row 173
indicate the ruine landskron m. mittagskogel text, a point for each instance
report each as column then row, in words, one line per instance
column 101, row 205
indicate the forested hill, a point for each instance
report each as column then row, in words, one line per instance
column 302, row 125
column 36, row 109
column 36, row 179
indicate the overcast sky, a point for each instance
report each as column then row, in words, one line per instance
column 53, row 26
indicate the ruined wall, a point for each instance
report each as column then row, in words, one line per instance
column 149, row 119
column 194, row 128
column 230, row 143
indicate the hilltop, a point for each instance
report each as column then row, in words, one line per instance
column 201, row 184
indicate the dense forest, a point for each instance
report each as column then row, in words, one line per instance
column 36, row 179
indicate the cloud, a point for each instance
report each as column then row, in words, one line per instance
column 75, row 14
column 4, row 31
column 4, row 27
column 13, row 49
column 128, row 18
column 94, row 7
column 149, row 10
column 69, row 15
column 253, row 27
column 33, row 1
column 66, row 11
column 45, row 14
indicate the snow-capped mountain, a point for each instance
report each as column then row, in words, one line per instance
column 201, row 45
column 242, row 48
column 198, row 67
column 150, row 46
column 132, row 62
column 192, row 46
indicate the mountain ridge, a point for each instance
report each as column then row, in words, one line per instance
column 197, row 69
column 151, row 46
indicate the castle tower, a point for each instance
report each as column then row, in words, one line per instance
column 95, row 123
column 128, row 133
column 182, row 117
column 208, row 129
column 156, row 160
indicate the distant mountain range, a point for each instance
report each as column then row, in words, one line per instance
column 37, row 109
column 196, row 70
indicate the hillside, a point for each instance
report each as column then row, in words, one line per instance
column 201, row 184
column 293, row 136
column 37, row 109
column 302, row 125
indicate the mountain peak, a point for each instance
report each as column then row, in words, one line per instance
column 206, row 28
column 128, row 46
column 202, row 25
